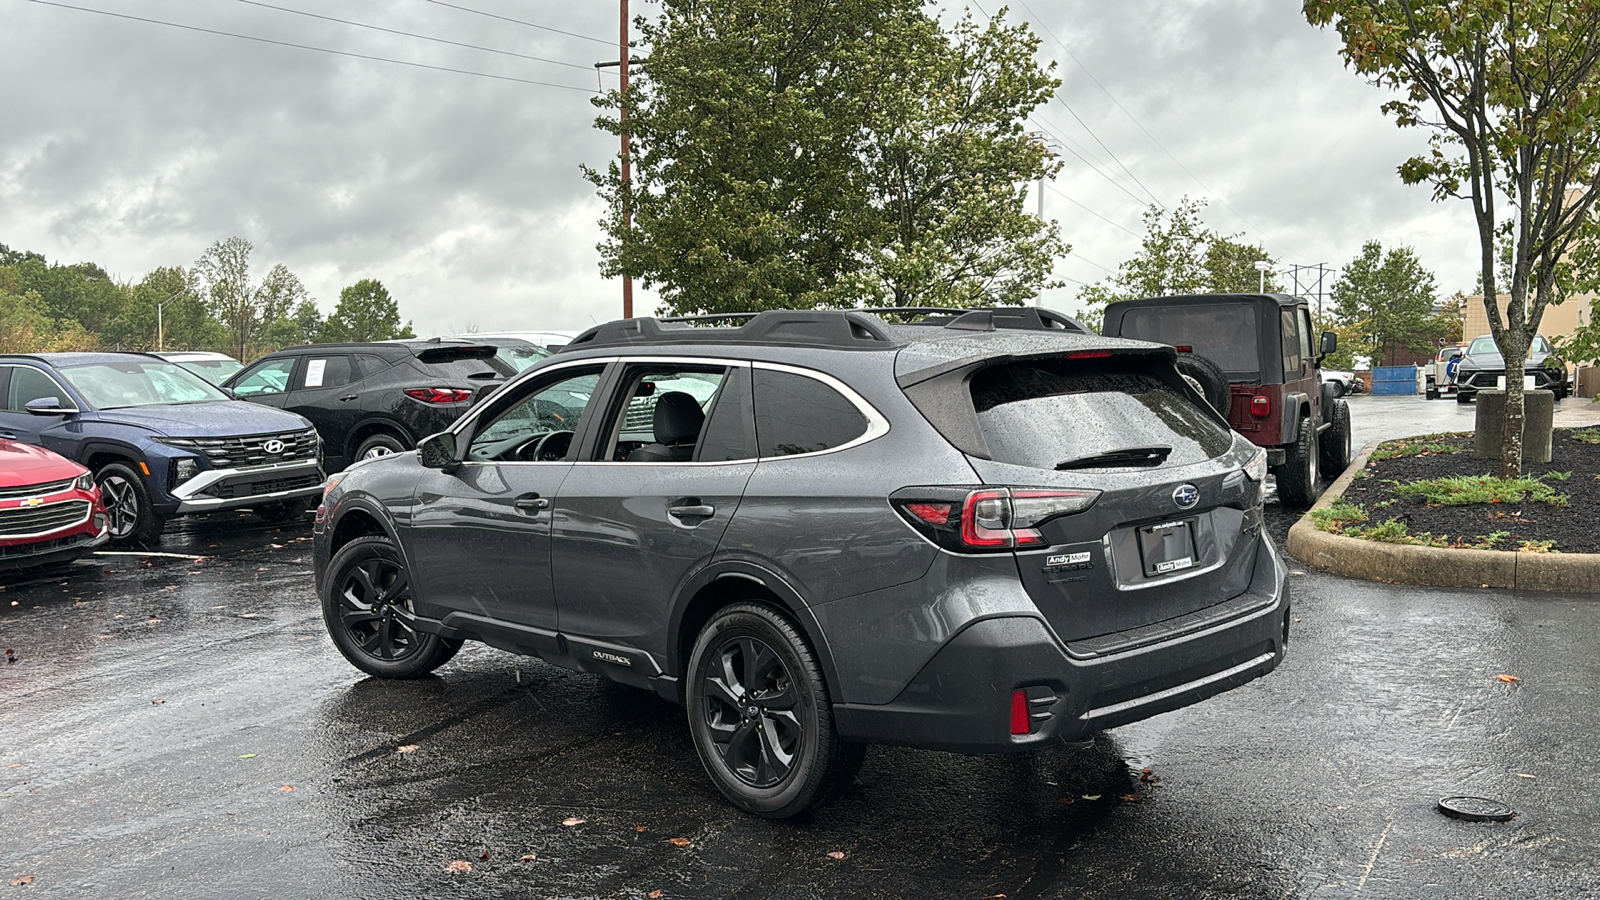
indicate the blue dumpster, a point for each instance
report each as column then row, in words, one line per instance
column 1394, row 380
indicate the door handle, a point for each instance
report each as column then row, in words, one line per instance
column 691, row 512
column 351, row 397
column 531, row 503
column 8, row 435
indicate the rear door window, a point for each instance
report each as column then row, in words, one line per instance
column 328, row 372
column 799, row 414
column 1291, row 344
column 1050, row 413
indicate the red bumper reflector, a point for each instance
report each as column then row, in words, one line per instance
column 1019, row 713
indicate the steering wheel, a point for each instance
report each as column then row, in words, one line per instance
column 550, row 448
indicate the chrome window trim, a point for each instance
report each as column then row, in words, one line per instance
column 66, row 396
column 877, row 424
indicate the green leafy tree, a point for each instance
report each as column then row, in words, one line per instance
column 365, row 312
column 184, row 323
column 811, row 153
column 1391, row 296
column 244, row 308
column 1510, row 93
column 303, row 325
column 1179, row 255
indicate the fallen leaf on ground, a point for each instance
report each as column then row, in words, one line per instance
column 1066, row 800
column 678, row 842
column 22, row 882
column 1144, row 774
column 458, row 865
column 1091, row 796
column 484, row 855
column 158, row 701
column 406, row 748
column 570, row 821
column 1508, row 679
column 1525, row 775
column 641, row 828
column 528, row 857
column 247, row 756
column 14, row 766
column 249, row 615
column 995, row 897
column 1132, row 798
column 836, row 854
column 655, row 894
column 287, row 788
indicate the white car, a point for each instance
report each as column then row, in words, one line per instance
column 1343, row 382
column 213, row 367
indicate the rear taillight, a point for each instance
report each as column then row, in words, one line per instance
column 440, row 395
column 1261, row 406
column 987, row 519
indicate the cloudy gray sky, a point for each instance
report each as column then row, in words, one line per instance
column 137, row 145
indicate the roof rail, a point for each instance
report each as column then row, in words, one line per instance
column 840, row 328
column 987, row 318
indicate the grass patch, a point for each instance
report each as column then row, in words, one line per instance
column 1538, row 547
column 1413, row 447
column 1469, row 490
column 1586, row 436
column 1350, row 520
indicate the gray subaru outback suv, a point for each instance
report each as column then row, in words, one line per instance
column 820, row 530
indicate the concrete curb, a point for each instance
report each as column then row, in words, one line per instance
column 1435, row 566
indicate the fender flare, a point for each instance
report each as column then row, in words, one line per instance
column 385, row 422
column 1300, row 404
column 768, row 578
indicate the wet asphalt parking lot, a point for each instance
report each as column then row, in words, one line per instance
column 184, row 728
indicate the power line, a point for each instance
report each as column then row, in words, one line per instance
column 1132, row 118
column 1085, row 125
column 1053, row 189
column 479, row 12
column 1092, row 167
column 1081, row 258
column 262, row 40
column 422, row 37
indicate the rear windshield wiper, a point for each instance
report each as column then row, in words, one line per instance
column 1127, row 456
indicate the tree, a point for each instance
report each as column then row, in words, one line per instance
column 303, row 325
column 1510, row 92
column 183, row 323
column 365, row 312
column 1179, row 255
column 1391, row 295
column 811, row 153
column 245, row 309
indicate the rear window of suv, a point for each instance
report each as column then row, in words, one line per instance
column 1043, row 414
column 458, row 367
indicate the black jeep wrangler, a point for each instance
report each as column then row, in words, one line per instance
column 1253, row 358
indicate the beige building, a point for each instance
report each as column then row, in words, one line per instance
column 1557, row 321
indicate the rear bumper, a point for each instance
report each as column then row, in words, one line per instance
column 961, row 700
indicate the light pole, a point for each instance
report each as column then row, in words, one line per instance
column 161, row 332
column 1263, row 267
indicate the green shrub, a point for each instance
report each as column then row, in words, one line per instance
column 1468, row 490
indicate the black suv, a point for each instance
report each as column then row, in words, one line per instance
column 819, row 530
column 373, row 399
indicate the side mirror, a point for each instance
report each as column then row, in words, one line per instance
column 49, row 406
column 229, row 392
column 1330, row 342
column 438, row 451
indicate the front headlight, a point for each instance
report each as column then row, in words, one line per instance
column 84, row 482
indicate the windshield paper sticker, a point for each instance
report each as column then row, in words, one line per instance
column 314, row 370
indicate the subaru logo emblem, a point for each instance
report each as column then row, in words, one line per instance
column 273, row 446
column 1186, row 496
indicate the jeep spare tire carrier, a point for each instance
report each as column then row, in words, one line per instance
column 1209, row 377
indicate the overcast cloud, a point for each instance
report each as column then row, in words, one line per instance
column 137, row 145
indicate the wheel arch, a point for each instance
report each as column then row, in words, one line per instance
column 97, row 455
column 722, row 585
column 376, row 425
column 355, row 518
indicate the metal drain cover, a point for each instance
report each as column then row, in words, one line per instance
column 1476, row 809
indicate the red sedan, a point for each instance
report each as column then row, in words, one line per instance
column 50, row 508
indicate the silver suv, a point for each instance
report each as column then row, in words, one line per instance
column 818, row 530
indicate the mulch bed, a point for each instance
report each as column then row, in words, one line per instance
column 1574, row 528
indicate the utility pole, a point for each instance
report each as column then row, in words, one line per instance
column 624, row 63
column 161, row 331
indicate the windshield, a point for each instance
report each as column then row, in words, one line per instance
column 139, row 382
column 1223, row 333
column 1481, row 346
column 215, row 371
column 520, row 357
column 1048, row 413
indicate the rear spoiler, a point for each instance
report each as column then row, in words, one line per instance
column 453, row 352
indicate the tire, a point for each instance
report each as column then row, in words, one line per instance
column 130, row 516
column 755, row 696
column 282, row 510
column 1463, row 396
column 1299, row 481
column 1339, row 390
column 1213, row 381
column 1336, row 443
column 381, row 444
column 366, row 605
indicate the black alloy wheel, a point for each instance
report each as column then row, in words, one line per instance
column 130, row 516
column 760, row 715
column 366, row 605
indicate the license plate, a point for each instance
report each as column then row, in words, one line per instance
column 1166, row 548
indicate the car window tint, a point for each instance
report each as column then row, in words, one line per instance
column 1305, row 335
column 29, row 384
column 271, row 377
column 329, row 372
column 1540, row 345
column 469, row 370
column 1291, row 343
column 799, row 414
column 1046, row 413
column 1224, row 333
column 368, row 365
column 554, row 405
column 730, row 433
column 644, row 388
